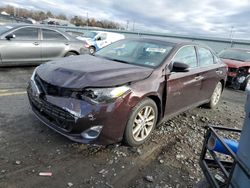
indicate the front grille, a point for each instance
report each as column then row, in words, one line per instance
column 52, row 90
column 56, row 115
column 243, row 70
column 232, row 69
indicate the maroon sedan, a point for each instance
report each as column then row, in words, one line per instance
column 125, row 89
column 238, row 62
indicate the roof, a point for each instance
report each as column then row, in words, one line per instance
column 240, row 49
column 165, row 40
column 17, row 25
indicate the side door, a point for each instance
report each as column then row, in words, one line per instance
column 210, row 71
column 24, row 48
column 54, row 45
column 183, row 88
column 101, row 40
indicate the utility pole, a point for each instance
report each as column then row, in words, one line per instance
column 87, row 20
column 15, row 11
column 231, row 36
column 127, row 24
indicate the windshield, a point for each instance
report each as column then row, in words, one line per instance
column 138, row 52
column 239, row 55
column 5, row 28
column 89, row 34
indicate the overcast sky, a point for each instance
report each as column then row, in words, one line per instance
column 194, row 17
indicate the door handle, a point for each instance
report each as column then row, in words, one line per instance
column 198, row 78
column 66, row 43
column 36, row 43
column 219, row 71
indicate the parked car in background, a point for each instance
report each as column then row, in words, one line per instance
column 238, row 62
column 95, row 40
column 34, row 44
column 123, row 90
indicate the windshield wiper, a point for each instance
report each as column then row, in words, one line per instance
column 119, row 60
column 113, row 59
column 235, row 59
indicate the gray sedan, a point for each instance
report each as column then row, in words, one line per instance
column 34, row 44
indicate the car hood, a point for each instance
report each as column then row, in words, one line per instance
column 89, row 71
column 236, row 64
column 83, row 38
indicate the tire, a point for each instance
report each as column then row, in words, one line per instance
column 244, row 85
column 215, row 98
column 138, row 130
column 70, row 54
column 92, row 50
column 202, row 183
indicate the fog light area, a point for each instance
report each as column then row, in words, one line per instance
column 92, row 132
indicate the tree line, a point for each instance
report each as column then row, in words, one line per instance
column 76, row 20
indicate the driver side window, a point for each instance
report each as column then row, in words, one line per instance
column 186, row 55
column 28, row 33
column 102, row 36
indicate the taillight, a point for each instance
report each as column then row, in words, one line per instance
column 248, row 71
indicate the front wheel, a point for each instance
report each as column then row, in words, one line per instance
column 92, row 50
column 215, row 98
column 141, row 123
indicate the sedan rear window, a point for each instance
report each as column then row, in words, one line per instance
column 52, row 35
column 143, row 53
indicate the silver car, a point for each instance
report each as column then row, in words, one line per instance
column 35, row 44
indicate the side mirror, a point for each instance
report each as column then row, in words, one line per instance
column 179, row 67
column 10, row 36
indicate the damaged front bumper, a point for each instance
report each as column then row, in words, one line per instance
column 79, row 120
column 237, row 78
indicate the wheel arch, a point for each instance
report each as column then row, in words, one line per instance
column 158, row 103
column 72, row 51
column 223, row 82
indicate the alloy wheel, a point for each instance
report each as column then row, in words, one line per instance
column 143, row 123
column 217, row 93
column 91, row 50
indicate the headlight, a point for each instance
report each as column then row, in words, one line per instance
column 101, row 95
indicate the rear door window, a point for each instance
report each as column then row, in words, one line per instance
column 27, row 33
column 205, row 57
column 52, row 35
column 187, row 55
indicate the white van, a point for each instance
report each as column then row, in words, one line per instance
column 96, row 40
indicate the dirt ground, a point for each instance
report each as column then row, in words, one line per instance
column 168, row 159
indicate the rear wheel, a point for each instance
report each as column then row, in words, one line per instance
column 215, row 98
column 141, row 122
column 70, row 54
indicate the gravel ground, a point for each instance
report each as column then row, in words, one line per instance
column 177, row 163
